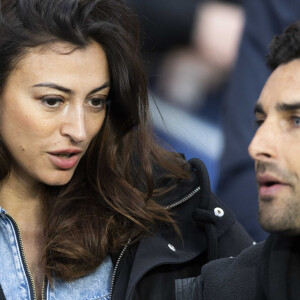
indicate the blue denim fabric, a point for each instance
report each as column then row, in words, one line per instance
column 13, row 280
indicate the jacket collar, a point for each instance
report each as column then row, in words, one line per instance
column 167, row 248
column 179, row 191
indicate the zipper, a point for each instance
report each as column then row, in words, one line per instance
column 44, row 290
column 186, row 198
column 21, row 247
column 113, row 278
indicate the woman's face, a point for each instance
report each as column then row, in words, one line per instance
column 51, row 107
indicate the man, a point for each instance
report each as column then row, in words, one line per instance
column 236, row 186
column 269, row 270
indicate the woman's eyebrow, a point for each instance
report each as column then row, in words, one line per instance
column 103, row 86
column 54, row 86
column 69, row 91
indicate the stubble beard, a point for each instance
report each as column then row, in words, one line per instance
column 282, row 218
column 280, row 213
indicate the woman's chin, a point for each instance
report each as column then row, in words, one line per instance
column 57, row 180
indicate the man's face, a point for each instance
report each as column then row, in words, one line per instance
column 276, row 150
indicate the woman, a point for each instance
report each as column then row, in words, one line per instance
column 91, row 206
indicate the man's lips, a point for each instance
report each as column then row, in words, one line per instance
column 269, row 185
column 64, row 158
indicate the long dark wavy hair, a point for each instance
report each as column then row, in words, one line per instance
column 110, row 198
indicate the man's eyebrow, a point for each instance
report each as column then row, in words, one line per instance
column 68, row 91
column 258, row 109
column 288, row 106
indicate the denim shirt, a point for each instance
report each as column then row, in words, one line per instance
column 15, row 280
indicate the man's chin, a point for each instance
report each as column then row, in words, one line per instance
column 266, row 199
column 275, row 227
column 267, row 221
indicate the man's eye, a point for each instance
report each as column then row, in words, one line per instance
column 258, row 123
column 52, row 101
column 296, row 121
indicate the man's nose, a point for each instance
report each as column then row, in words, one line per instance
column 265, row 141
column 74, row 124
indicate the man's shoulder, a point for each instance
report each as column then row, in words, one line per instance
column 229, row 266
column 238, row 276
column 226, row 278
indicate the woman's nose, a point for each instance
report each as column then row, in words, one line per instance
column 74, row 124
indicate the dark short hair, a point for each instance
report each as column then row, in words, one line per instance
column 284, row 47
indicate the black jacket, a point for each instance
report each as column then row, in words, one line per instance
column 148, row 269
column 266, row 271
column 226, row 279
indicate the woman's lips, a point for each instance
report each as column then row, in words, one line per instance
column 65, row 160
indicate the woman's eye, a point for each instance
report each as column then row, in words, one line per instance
column 52, row 102
column 98, row 103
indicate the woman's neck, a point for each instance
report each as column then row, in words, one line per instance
column 22, row 201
